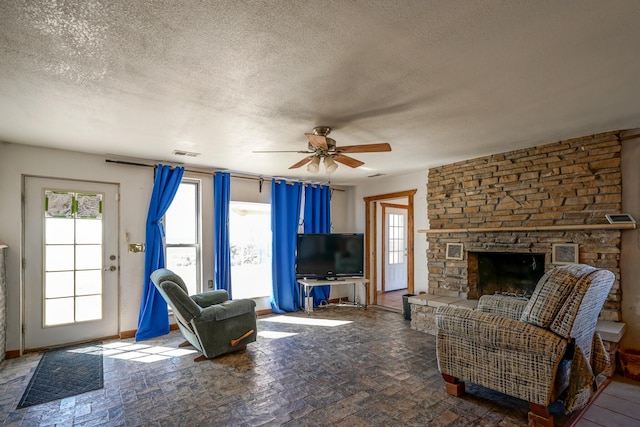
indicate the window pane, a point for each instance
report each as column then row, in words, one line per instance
column 58, row 231
column 182, row 261
column 89, row 231
column 58, row 311
column 58, row 284
column 181, row 218
column 59, row 257
column 88, row 257
column 88, row 282
column 88, row 308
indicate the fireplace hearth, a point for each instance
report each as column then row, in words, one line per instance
column 504, row 273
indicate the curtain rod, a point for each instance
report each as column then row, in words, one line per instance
column 233, row 174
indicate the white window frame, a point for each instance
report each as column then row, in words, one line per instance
column 198, row 224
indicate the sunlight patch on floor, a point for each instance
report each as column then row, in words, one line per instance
column 275, row 334
column 310, row 321
column 134, row 352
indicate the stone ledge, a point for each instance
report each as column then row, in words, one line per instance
column 610, row 331
column 471, row 304
column 431, row 300
column 423, row 310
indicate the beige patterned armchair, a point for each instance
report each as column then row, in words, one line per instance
column 532, row 349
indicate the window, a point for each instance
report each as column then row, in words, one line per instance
column 182, row 235
column 395, row 238
column 250, row 238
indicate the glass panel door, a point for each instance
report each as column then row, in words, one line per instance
column 70, row 261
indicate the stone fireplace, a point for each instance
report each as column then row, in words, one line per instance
column 522, row 203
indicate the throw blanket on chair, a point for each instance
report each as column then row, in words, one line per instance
column 582, row 380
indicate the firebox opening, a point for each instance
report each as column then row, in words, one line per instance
column 509, row 273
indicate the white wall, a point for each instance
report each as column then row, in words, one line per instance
column 385, row 185
column 630, row 253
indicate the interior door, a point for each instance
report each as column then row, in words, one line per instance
column 70, row 264
column 395, row 249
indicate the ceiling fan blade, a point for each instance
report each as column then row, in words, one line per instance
column 283, row 151
column 301, row 162
column 317, row 140
column 346, row 160
column 366, row 148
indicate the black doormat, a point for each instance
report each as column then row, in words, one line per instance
column 64, row 372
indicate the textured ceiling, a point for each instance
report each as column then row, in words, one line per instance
column 440, row 81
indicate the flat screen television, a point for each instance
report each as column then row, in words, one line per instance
column 329, row 256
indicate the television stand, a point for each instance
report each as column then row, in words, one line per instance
column 306, row 285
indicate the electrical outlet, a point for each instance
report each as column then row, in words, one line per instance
column 210, row 284
column 136, row 247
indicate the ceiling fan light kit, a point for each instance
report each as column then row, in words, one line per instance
column 322, row 147
column 330, row 164
column 314, row 165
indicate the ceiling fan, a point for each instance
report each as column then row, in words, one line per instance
column 322, row 147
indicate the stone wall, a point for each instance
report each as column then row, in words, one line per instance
column 567, row 183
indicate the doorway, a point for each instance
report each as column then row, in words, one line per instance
column 70, row 261
column 389, row 247
column 394, row 247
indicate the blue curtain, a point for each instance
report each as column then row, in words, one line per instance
column 153, row 319
column 285, row 214
column 317, row 219
column 222, row 247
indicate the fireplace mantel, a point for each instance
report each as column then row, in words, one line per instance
column 572, row 227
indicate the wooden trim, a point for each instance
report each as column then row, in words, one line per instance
column 371, row 238
column 128, row 334
column 539, row 228
column 132, row 333
column 367, row 247
column 263, row 312
column 393, row 205
column 12, row 354
column 383, row 246
column 629, row 134
column 374, row 260
column 411, row 246
column 390, row 195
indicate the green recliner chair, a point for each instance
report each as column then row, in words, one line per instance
column 209, row 321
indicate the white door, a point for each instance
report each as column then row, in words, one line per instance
column 395, row 257
column 70, row 265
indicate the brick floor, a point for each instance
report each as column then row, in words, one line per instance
column 355, row 367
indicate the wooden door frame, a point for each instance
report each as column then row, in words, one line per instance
column 371, row 257
column 384, row 206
